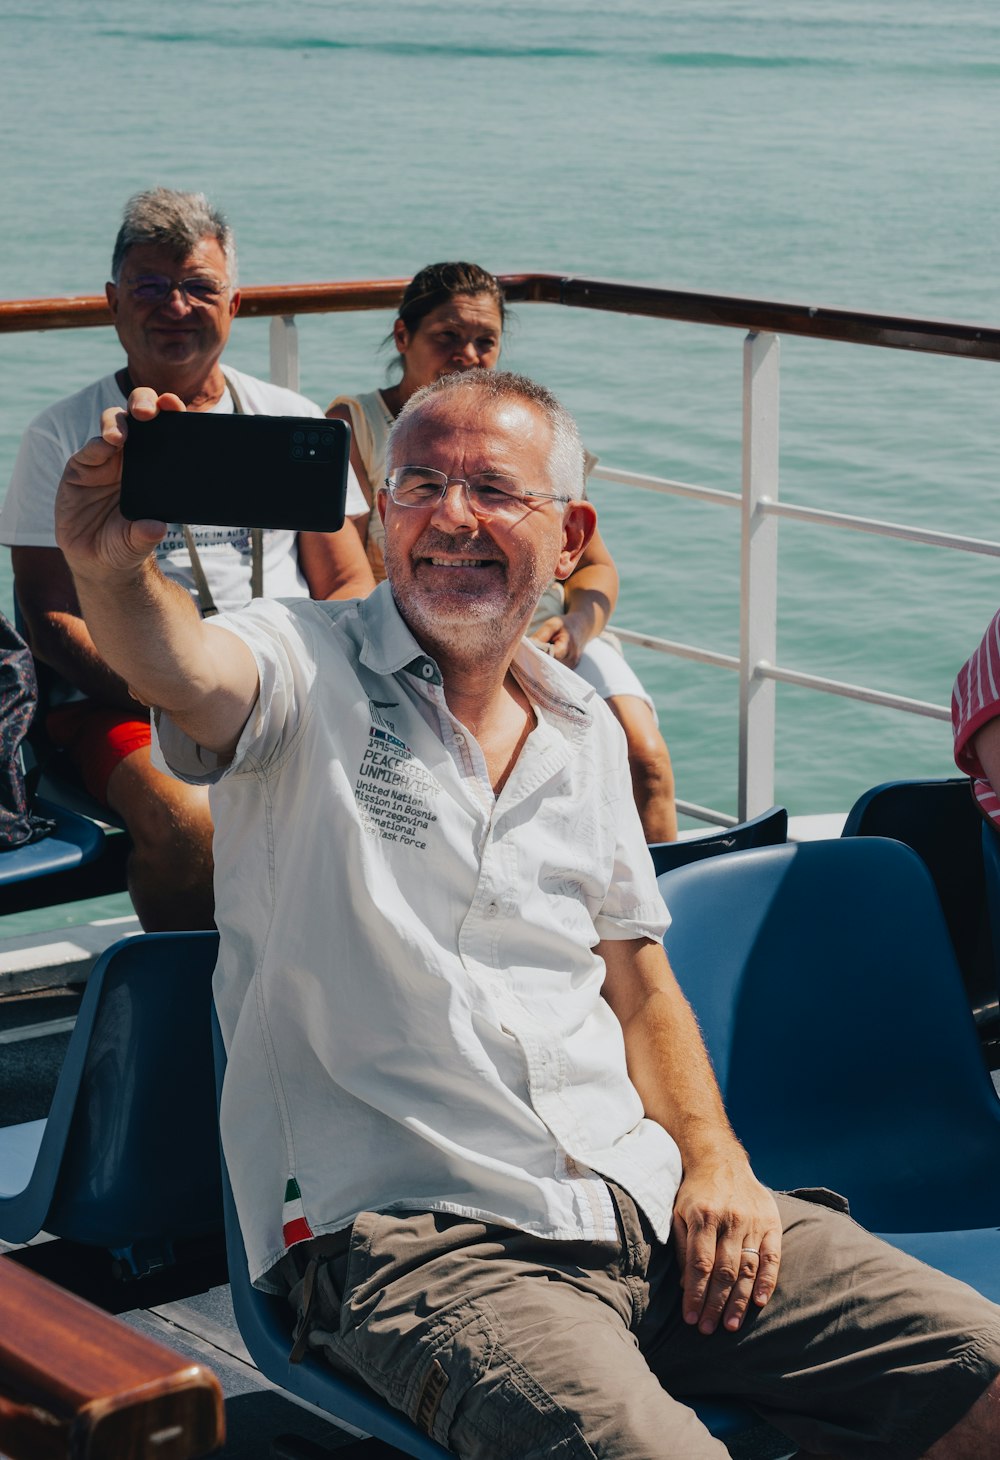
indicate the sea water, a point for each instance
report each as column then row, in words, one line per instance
column 837, row 152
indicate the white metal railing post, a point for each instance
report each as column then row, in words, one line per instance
column 285, row 351
column 758, row 573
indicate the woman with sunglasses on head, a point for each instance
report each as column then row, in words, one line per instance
column 451, row 317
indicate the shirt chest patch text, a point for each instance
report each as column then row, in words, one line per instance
column 394, row 792
column 237, row 538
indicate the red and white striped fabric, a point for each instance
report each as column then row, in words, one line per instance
column 975, row 700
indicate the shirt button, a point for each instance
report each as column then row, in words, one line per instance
column 459, row 739
column 491, row 910
column 427, row 670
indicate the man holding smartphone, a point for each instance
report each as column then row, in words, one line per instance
column 472, row 1129
column 173, row 295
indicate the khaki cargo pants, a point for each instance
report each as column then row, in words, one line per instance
column 502, row 1346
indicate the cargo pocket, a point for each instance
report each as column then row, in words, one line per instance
column 451, row 1362
column 476, row 1398
column 822, row 1196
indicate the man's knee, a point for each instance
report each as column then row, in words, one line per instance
column 648, row 755
column 649, row 765
column 160, row 813
column 170, row 871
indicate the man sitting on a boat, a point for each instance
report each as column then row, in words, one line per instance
column 471, row 1125
column 173, row 296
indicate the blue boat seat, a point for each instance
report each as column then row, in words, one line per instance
column 127, row 1158
column 75, row 841
column 78, row 860
column 939, row 819
column 265, row 1324
column 826, row 986
column 766, row 830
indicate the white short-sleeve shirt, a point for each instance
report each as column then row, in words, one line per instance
column 407, row 982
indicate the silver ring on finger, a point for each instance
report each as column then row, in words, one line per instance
column 754, row 1251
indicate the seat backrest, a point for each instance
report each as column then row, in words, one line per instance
column 825, row 984
column 140, row 1162
column 73, row 842
column 766, row 830
column 940, row 821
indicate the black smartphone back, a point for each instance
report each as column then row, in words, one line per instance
column 237, row 471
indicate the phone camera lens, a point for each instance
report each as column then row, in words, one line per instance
column 313, row 437
column 298, row 436
column 298, row 452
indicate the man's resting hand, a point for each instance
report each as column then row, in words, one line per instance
column 566, row 637
column 728, row 1236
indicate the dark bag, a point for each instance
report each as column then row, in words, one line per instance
column 18, row 698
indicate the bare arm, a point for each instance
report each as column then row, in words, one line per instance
column 591, row 594
column 723, row 1216
column 334, row 564
column 368, row 487
column 146, row 627
column 986, row 744
column 342, row 413
column 55, row 629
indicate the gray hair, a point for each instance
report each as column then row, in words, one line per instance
column 566, row 456
column 178, row 221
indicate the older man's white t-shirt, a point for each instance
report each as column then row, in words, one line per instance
column 407, row 983
column 27, row 516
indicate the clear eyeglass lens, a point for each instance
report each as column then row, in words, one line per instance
column 155, row 288
column 415, row 486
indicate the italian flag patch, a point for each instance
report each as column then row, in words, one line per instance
column 294, row 1227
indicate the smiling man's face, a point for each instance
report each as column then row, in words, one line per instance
column 179, row 335
column 463, row 580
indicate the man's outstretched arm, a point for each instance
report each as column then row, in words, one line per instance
column 726, row 1224
column 146, row 627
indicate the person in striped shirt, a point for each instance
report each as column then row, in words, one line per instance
column 975, row 720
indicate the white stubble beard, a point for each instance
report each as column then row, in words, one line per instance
column 468, row 625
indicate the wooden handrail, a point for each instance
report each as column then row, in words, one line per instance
column 893, row 332
column 87, row 311
column 75, row 1381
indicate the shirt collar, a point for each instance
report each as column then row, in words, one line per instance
column 388, row 645
column 552, row 687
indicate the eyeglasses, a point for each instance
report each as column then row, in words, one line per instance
column 488, row 493
column 157, row 289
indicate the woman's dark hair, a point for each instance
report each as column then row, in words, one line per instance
column 438, row 283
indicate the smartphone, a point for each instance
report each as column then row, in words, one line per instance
column 237, row 471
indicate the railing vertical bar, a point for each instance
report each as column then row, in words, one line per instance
column 285, row 351
column 758, row 573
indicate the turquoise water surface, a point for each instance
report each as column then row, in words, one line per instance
column 833, row 153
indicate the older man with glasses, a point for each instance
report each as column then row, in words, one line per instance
column 173, row 295
column 471, row 1126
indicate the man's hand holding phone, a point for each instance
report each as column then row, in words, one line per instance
column 145, row 626
column 90, row 528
